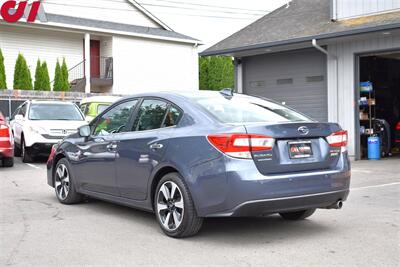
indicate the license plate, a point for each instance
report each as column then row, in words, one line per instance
column 300, row 149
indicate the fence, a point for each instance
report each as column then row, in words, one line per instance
column 11, row 99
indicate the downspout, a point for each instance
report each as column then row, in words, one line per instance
column 334, row 57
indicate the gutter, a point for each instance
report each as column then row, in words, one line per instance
column 336, row 67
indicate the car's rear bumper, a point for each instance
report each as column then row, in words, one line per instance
column 236, row 188
column 6, row 152
column 285, row 204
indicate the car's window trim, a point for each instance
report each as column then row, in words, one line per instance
column 169, row 105
column 94, row 123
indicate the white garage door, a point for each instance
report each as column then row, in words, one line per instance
column 297, row 78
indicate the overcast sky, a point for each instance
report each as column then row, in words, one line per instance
column 209, row 20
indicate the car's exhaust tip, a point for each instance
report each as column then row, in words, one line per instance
column 337, row 205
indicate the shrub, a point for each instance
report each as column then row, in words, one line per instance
column 42, row 79
column 58, row 78
column 38, row 73
column 216, row 73
column 22, row 74
column 3, row 80
column 65, row 78
column 45, row 77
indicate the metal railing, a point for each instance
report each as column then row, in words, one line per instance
column 77, row 72
column 102, row 67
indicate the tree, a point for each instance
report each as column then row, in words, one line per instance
column 58, row 78
column 42, row 79
column 46, row 77
column 3, row 80
column 216, row 73
column 22, row 74
column 38, row 76
column 65, row 78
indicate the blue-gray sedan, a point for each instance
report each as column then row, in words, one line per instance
column 188, row 156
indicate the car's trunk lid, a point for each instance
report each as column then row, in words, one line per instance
column 298, row 147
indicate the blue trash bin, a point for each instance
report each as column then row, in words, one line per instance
column 374, row 148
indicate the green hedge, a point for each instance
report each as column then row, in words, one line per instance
column 216, row 73
column 22, row 74
column 3, row 80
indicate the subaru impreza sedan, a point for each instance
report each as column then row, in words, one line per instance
column 189, row 156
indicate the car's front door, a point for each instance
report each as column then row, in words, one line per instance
column 96, row 165
column 140, row 151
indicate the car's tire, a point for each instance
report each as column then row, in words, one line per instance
column 64, row 185
column 17, row 150
column 297, row 215
column 8, row 162
column 182, row 220
column 25, row 154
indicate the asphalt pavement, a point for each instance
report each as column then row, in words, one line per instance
column 36, row 230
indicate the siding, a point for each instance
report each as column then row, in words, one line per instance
column 297, row 78
column 147, row 65
column 43, row 44
column 354, row 8
column 120, row 11
column 341, row 80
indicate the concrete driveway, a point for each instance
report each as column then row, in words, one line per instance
column 36, row 230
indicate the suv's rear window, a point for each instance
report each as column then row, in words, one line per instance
column 248, row 110
column 54, row 112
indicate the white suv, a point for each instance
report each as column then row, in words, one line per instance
column 38, row 125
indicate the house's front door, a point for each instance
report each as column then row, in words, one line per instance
column 95, row 59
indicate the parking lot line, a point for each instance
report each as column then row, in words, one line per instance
column 374, row 186
column 33, row 166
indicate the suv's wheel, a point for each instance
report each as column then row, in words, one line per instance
column 8, row 162
column 25, row 155
column 174, row 207
column 64, row 184
column 297, row 215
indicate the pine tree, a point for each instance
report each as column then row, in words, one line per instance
column 38, row 76
column 17, row 72
column 65, row 78
column 3, row 80
column 46, row 78
column 22, row 74
column 216, row 73
column 58, row 78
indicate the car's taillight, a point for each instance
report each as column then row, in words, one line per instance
column 241, row 145
column 338, row 139
column 4, row 131
column 52, row 153
column 398, row 126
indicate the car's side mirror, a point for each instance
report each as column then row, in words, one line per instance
column 19, row 117
column 84, row 131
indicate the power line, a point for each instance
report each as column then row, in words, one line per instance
column 133, row 10
column 204, row 5
column 203, row 9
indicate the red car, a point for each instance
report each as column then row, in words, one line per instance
column 6, row 143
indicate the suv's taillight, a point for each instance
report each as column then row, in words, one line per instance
column 241, row 145
column 4, row 131
column 338, row 139
column 398, row 126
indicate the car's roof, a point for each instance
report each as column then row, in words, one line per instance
column 181, row 94
column 100, row 99
column 51, row 102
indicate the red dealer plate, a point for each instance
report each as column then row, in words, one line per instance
column 300, row 149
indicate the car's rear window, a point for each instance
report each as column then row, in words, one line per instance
column 53, row 112
column 248, row 110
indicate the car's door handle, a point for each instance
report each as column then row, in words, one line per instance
column 156, row 146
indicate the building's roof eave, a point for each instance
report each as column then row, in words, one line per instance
column 301, row 40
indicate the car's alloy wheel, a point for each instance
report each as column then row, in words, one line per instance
column 62, row 182
column 170, row 206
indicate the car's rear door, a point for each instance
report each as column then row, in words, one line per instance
column 140, row 151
